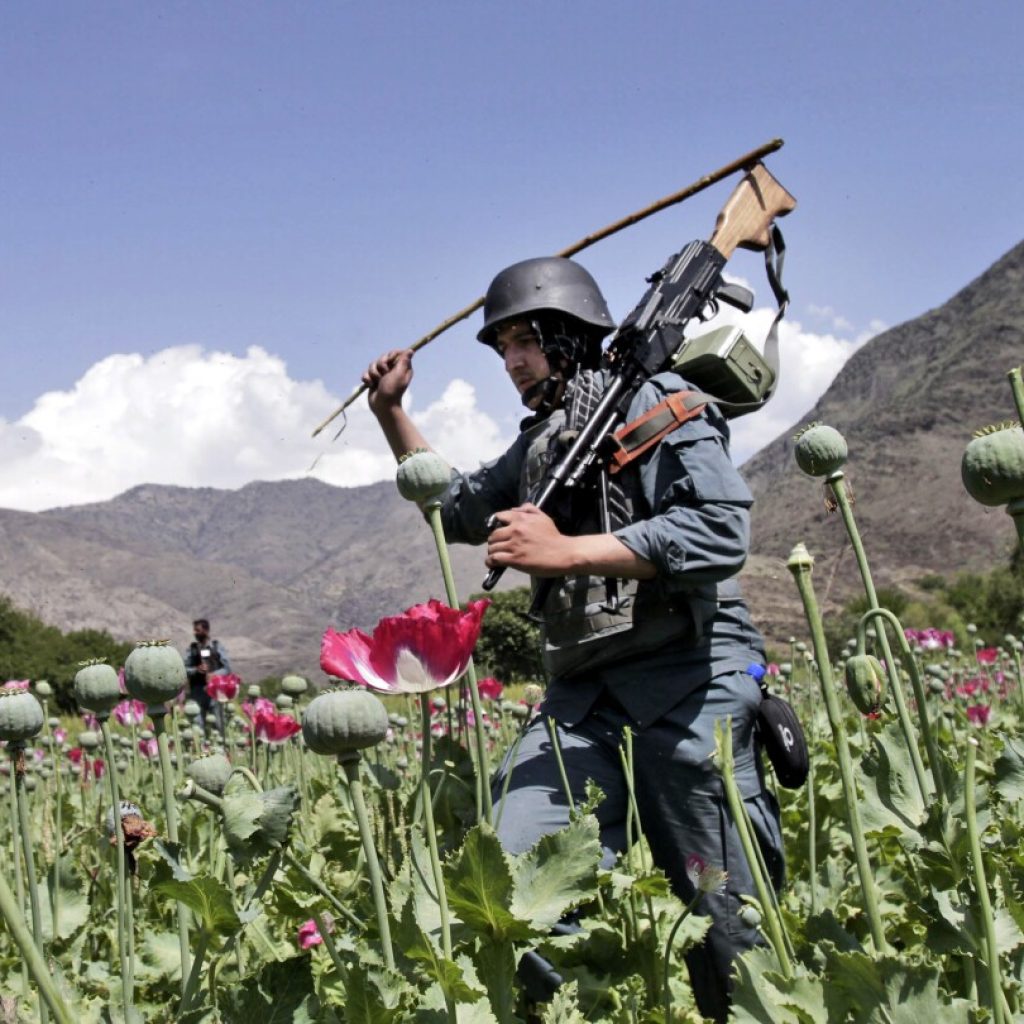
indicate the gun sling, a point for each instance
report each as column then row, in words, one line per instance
column 635, row 438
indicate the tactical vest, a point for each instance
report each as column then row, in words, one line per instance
column 579, row 631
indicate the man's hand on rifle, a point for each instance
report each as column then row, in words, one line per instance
column 527, row 539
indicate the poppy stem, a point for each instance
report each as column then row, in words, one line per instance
column 429, row 828
column 123, row 922
column 30, row 868
column 800, row 564
column 350, row 765
column 769, row 909
column 484, row 807
column 837, row 485
column 32, row 959
column 992, row 948
column 158, row 712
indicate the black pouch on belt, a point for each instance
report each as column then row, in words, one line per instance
column 783, row 739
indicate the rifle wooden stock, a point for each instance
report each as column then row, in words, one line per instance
column 746, row 219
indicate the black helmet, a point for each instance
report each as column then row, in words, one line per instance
column 549, row 283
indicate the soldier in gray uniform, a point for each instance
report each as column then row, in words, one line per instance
column 670, row 660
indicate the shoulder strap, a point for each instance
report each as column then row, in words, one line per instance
column 632, row 440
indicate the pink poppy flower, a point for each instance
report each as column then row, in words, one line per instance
column 130, row 712
column 75, row 755
column 969, row 687
column 705, row 877
column 490, row 688
column 15, row 684
column 978, row 714
column 149, row 748
column 427, row 647
column 308, row 935
column 59, row 735
column 987, row 655
column 261, row 707
column 271, row 727
column 223, row 687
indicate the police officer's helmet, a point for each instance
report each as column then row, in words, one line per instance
column 545, row 287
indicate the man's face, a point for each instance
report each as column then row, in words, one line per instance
column 525, row 362
column 201, row 632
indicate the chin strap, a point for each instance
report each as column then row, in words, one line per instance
column 548, row 391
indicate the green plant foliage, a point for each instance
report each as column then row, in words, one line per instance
column 29, row 649
column 509, row 644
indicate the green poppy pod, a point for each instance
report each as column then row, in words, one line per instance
column 43, row 689
column 423, row 476
column 992, row 467
column 820, row 450
column 294, row 685
column 343, row 722
column 866, row 682
column 21, row 716
column 88, row 740
column 800, row 560
column 283, row 701
column 211, row 772
column 97, row 688
column 154, row 672
column 253, row 691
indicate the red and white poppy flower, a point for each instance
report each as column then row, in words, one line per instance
column 223, row 687
column 425, row 648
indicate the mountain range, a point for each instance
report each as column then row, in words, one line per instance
column 272, row 564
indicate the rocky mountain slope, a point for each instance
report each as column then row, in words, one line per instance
column 272, row 564
column 908, row 403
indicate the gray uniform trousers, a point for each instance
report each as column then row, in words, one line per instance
column 680, row 800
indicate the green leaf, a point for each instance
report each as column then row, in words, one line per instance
column 1009, row 771
column 448, row 975
column 256, row 824
column 208, row 897
column 496, row 963
column 864, row 988
column 557, row 874
column 74, row 907
column 479, row 885
column 892, row 798
column 564, row 1007
column 160, row 957
column 169, row 855
column 755, row 999
column 278, row 994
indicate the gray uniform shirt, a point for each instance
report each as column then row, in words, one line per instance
column 690, row 517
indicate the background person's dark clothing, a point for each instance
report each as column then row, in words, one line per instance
column 216, row 661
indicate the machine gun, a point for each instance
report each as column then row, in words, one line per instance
column 650, row 338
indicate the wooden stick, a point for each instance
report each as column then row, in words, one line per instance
column 743, row 163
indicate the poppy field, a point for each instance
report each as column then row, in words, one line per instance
column 327, row 855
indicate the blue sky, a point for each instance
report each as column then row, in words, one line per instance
column 214, row 215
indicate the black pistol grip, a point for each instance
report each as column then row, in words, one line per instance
column 491, row 580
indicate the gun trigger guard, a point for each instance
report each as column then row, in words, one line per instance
column 493, row 522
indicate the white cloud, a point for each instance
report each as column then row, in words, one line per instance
column 192, row 417
column 808, row 363
column 198, row 418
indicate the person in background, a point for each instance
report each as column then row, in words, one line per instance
column 205, row 657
